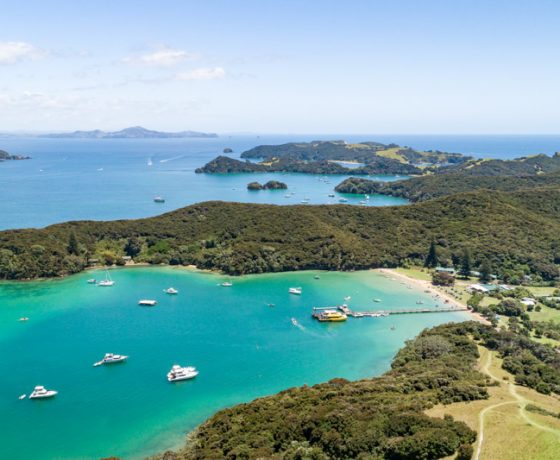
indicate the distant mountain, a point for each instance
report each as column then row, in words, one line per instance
column 135, row 132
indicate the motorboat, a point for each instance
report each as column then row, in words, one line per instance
column 92, row 281
column 159, row 199
column 111, row 358
column 294, row 322
column 23, row 318
column 343, row 200
column 377, row 300
column 171, row 291
column 147, row 303
column 317, row 277
column 178, row 373
column 23, row 396
column 347, row 298
column 40, row 392
column 226, row 284
column 107, row 281
column 331, row 195
column 295, row 290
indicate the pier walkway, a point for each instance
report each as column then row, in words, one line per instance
column 380, row 313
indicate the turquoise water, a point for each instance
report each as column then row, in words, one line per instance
column 242, row 347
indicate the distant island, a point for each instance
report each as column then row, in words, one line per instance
column 228, row 150
column 4, row 156
column 135, row 132
column 335, row 157
column 270, row 185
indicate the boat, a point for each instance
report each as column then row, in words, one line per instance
column 111, row 358
column 171, row 290
column 377, row 300
column 226, row 284
column 317, row 277
column 305, row 201
column 107, row 281
column 294, row 322
column 23, row 318
column 295, row 290
column 23, row 396
column 367, row 197
column 363, row 202
column 347, row 298
column 178, row 373
column 92, row 281
column 147, row 303
column 343, row 200
column 331, row 195
column 287, row 196
column 331, row 316
column 159, row 199
column 40, row 392
column 419, row 302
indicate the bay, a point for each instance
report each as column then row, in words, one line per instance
column 243, row 347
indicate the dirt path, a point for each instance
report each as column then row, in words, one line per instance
column 517, row 399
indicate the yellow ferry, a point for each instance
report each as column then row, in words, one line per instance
column 331, row 316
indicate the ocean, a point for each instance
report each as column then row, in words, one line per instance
column 105, row 179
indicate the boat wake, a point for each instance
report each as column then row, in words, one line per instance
column 172, row 159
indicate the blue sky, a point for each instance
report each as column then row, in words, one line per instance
column 281, row 66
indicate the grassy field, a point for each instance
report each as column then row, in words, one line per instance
column 509, row 431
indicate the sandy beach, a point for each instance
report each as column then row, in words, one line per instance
column 434, row 290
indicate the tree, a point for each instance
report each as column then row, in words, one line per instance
column 466, row 264
column 443, row 279
column 432, row 257
column 485, row 270
column 73, row 246
column 133, row 247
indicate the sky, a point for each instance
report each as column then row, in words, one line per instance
column 281, row 66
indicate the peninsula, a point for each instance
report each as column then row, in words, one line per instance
column 5, row 156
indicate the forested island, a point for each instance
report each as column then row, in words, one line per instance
column 5, row 156
column 270, row 185
column 510, row 229
column 334, row 157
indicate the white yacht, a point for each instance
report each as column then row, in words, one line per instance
column 147, row 302
column 295, row 290
column 171, row 290
column 23, row 318
column 347, row 298
column 178, row 373
column 111, row 358
column 159, row 199
column 107, row 281
column 226, row 284
column 92, row 281
column 41, row 392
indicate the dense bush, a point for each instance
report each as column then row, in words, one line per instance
column 237, row 238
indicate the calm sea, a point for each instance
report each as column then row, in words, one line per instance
column 243, row 348
column 72, row 179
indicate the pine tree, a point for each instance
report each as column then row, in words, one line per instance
column 466, row 264
column 432, row 257
column 73, row 246
column 485, row 270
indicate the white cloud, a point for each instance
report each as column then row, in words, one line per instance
column 163, row 57
column 12, row 52
column 202, row 73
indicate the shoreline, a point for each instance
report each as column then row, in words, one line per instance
column 436, row 290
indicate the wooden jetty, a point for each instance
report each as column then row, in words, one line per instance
column 381, row 313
